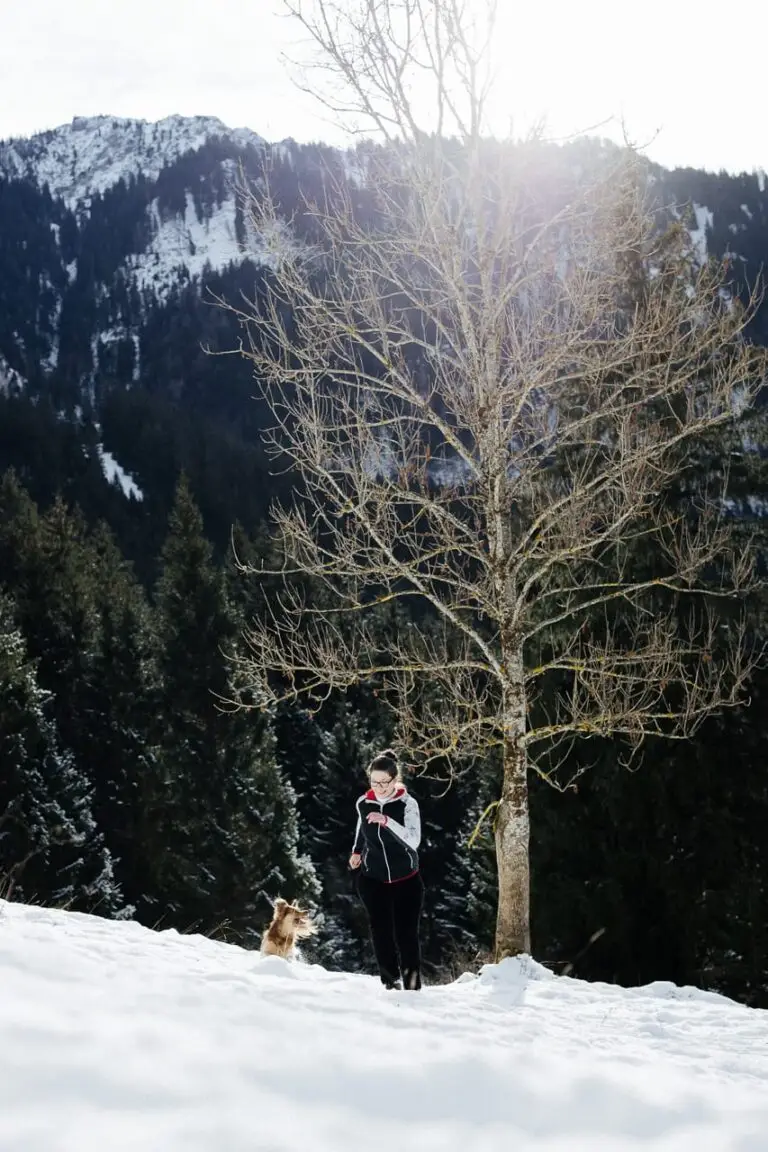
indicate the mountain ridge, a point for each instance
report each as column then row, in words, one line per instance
column 92, row 153
column 192, row 219
column 116, row 233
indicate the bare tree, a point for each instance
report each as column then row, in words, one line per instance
column 494, row 384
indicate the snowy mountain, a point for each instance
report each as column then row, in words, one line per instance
column 122, row 1038
column 98, row 156
column 151, row 206
column 115, row 235
column 94, row 152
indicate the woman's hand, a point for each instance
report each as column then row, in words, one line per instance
column 355, row 860
column 376, row 818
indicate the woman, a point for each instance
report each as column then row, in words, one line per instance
column 385, row 852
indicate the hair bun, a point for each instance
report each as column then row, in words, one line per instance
column 385, row 761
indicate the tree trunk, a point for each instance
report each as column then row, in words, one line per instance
column 513, row 930
column 513, row 923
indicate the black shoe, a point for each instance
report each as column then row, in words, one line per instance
column 392, row 985
column 412, row 980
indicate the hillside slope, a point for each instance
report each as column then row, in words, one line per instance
column 119, row 1038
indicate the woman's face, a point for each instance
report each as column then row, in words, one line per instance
column 382, row 785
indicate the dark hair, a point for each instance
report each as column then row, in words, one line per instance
column 385, row 761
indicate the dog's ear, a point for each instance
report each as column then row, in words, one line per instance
column 280, row 904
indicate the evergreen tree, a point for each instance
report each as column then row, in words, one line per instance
column 20, row 570
column 64, row 626
column 230, row 823
column 45, row 561
column 123, row 706
column 460, row 873
column 50, row 849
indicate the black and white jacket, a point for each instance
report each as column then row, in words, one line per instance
column 390, row 850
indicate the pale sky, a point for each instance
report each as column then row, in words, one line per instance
column 689, row 80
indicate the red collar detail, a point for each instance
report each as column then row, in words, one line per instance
column 396, row 795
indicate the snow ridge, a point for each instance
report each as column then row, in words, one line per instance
column 94, row 152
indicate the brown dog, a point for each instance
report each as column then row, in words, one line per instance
column 289, row 924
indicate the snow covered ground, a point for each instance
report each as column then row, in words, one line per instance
column 118, row 1039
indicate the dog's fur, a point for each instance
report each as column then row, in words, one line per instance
column 289, row 924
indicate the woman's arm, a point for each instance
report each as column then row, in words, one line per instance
column 410, row 831
column 357, row 844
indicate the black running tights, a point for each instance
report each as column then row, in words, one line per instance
column 394, row 911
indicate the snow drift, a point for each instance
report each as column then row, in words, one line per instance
column 119, row 1038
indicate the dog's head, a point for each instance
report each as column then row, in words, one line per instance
column 292, row 921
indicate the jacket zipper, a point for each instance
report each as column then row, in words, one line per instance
column 386, row 861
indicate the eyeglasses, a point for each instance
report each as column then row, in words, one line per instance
column 382, row 783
